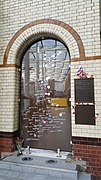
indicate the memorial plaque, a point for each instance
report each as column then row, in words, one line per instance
column 46, row 129
column 85, row 114
column 84, row 90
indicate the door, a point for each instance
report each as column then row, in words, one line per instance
column 45, row 93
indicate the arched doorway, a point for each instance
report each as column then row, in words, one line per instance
column 20, row 43
column 45, row 93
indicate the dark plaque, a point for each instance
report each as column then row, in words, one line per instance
column 84, row 90
column 85, row 114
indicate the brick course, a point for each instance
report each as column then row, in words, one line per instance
column 7, row 141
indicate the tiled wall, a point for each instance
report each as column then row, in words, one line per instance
column 82, row 15
column 9, row 99
column 82, row 37
column 90, row 67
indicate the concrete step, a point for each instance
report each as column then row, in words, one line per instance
column 14, row 175
column 43, row 166
column 84, row 176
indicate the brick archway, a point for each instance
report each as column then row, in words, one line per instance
column 56, row 28
column 36, row 29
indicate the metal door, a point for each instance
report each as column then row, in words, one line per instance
column 45, row 112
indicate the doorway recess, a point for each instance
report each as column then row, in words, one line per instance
column 45, row 93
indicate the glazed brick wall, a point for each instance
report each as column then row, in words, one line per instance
column 9, row 99
column 89, row 150
column 82, row 15
column 92, row 66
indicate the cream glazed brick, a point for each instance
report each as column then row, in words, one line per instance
column 83, row 16
column 8, row 99
column 95, row 68
column 37, row 30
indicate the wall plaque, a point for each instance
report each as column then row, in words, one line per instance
column 84, row 90
column 85, row 114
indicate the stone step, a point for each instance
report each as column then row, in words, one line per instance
column 12, row 175
column 16, row 175
column 43, row 166
column 63, row 173
column 84, row 176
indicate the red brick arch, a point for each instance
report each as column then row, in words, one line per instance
column 47, row 21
